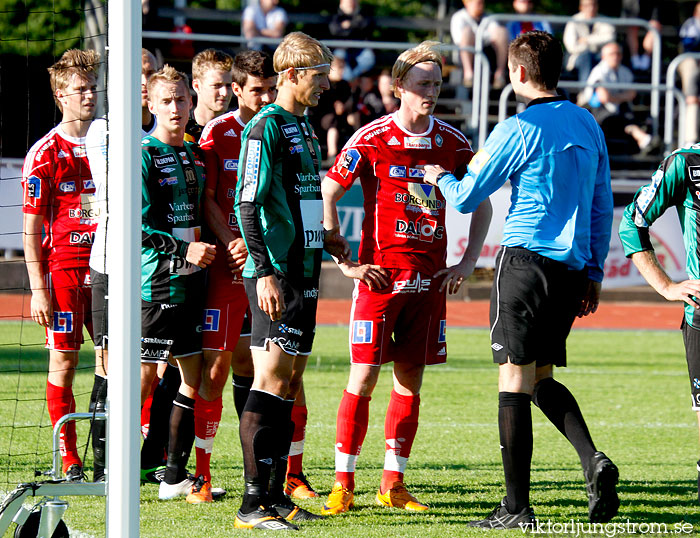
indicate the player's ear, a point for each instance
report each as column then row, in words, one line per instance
column 195, row 85
column 237, row 90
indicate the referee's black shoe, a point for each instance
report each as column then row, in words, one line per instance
column 501, row 518
column 601, row 479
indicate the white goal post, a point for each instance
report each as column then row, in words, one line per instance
column 123, row 257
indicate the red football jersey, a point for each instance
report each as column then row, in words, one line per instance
column 404, row 223
column 221, row 143
column 57, row 184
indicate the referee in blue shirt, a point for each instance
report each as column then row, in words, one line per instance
column 549, row 269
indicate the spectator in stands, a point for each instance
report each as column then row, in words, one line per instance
column 389, row 100
column 265, row 19
column 351, row 23
column 515, row 28
column 375, row 99
column 341, row 120
column 463, row 27
column 689, row 71
column 584, row 40
column 640, row 9
column 611, row 107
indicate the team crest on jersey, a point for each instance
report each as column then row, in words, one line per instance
column 161, row 161
column 66, row 186
column 362, row 332
column 211, row 319
column 62, row 322
column 290, row 130
column 397, row 171
column 33, row 187
column 231, row 165
column 438, row 140
column 79, row 151
column 167, row 181
column 417, row 142
column 347, row 162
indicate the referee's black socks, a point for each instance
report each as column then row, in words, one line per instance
column 560, row 407
column 515, row 430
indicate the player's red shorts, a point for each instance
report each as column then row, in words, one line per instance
column 72, row 308
column 411, row 309
column 223, row 317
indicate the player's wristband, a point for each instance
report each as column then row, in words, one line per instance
column 441, row 175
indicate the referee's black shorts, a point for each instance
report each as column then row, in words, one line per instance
column 534, row 301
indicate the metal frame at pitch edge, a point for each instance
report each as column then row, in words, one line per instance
column 51, row 507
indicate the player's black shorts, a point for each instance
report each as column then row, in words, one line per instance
column 100, row 297
column 691, row 339
column 534, row 301
column 295, row 331
column 174, row 328
column 245, row 328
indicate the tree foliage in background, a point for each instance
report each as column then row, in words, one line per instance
column 40, row 27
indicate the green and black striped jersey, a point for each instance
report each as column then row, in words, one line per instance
column 676, row 183
column 278, row 200
column 171, row 218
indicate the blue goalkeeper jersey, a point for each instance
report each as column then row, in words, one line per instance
column 554, row 156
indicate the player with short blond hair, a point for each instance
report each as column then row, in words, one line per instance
column 60, row 217
column 172, row 256
column 211, row 81
column 280, row 214
column 398, row 312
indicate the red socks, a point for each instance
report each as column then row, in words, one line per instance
column 296, row 450
column 146, row 409
column 351, row 428
column 60, row 402
column 207, row 416
column 400, row 429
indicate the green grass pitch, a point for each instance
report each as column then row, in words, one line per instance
column 632, row 387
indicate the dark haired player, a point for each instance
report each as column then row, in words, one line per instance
column 555, row 240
